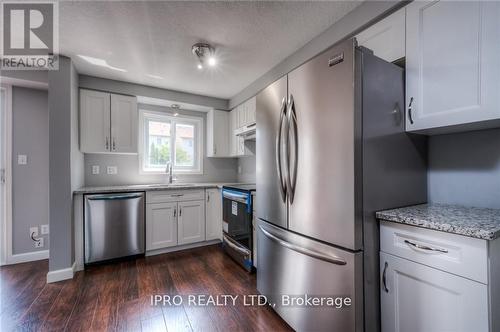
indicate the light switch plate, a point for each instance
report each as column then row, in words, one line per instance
column 112, row 170
column 44, row 229
column 22, row 159
column 95, row 169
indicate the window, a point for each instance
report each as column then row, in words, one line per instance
column 170, row 139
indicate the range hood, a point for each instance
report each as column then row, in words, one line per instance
column 247, row 132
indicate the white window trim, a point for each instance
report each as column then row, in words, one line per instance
column 199, row 142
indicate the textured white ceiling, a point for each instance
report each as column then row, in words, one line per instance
column 155, row 38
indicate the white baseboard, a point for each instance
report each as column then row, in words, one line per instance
column 63, row 274
column 182, row 247
column 28, row 257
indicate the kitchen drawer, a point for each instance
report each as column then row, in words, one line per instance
column 166, row 196
column 457, row 254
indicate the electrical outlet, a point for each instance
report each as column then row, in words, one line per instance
column 95, row 169
column 44, row 229
column 33, row 232
column 239, row 169
column 112, row 170
column 22, row 159
column 39, row 243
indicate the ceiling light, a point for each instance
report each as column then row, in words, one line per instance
column 212, row 61
column 175, row 108
column 205, row 54
column 100, row 63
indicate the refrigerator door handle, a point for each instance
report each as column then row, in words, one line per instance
column 311, row 253
column 278, row 150
column 292, row 167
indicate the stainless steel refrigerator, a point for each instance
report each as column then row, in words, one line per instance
column 331, row 150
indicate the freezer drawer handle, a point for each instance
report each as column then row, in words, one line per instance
column 113, row 197
column 384, row 281
column 419, row 246
column 305, row 251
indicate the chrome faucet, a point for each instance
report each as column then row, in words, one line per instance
column 170, row 172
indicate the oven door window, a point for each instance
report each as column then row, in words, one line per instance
column 237, row 222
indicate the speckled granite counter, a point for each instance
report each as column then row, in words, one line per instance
column 474, row 222
column 149, row 187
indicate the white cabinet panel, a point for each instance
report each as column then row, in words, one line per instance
column 251, row 110
column 233, row 140
column 94, row 121
column 452, row 64
column 123, row 124
column 161, row 225
column 213, row 214
column 218, row 128
column 386, row 38
column 457, row 254
column 418, row 298
column 191, row 222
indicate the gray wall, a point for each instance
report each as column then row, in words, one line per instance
column 246, row 169
column 214, row 169
column 30, row 136
column 63, row 160
column 90, row 82
column 361, row 17
column 464, row 168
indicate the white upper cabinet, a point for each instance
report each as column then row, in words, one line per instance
column 218, row 127
column 386, row 38
column 95, row 121
column 108, row 122
column 452, row 65
column 123, row 124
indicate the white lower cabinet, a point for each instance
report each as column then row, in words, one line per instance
column 161, row 225
column 213, row 214
column 174, row 217
column 418, row 298
column 191, row 222
column 433, row 281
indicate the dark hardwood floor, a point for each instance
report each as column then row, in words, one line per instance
column 117, row 296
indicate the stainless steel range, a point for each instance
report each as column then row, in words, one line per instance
column 237, row 223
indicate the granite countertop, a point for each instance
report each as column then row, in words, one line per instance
column 481, row 223
column 151, row 187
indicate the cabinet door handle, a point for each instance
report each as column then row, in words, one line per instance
column 428, row 248
column 175, row 213
column 208, row 197
column 410, row 116
column 107, row 143
column 384, row 281
column 114, row 144
column 180, row 212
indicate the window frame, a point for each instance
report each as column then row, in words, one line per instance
column 197, row 122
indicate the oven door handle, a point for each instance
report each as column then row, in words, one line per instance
column 236, row 247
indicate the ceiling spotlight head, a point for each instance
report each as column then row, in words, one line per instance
column 212, row 61
column 175, row 107
column 205, row 54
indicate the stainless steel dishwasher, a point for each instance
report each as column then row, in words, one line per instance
column 114, row 226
